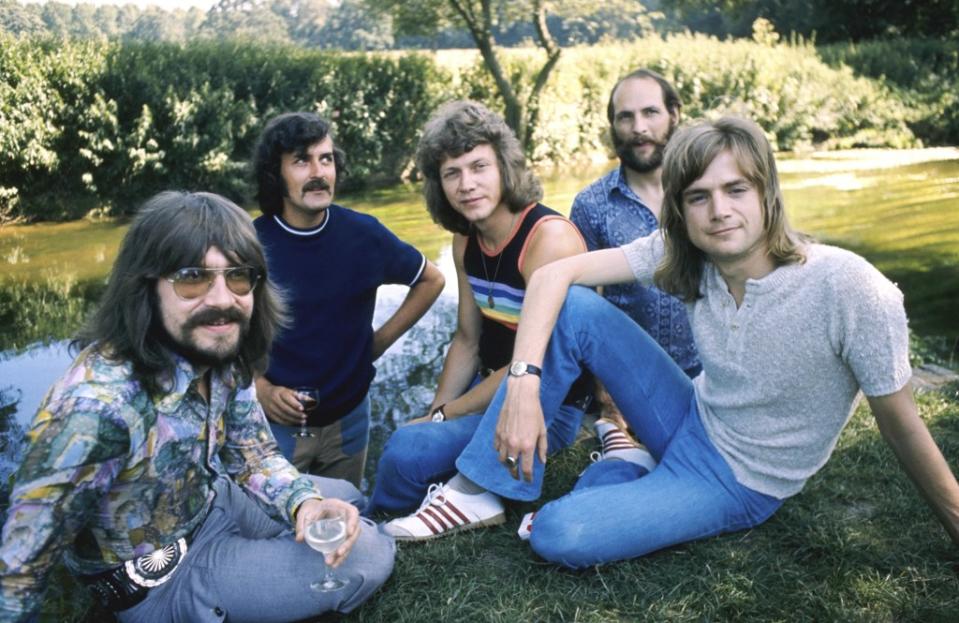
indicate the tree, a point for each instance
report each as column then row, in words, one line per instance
column 480, row 18
column 827, row 20
column 20, row 19
column 257, row 20
column 351, row 27
column 487, row 21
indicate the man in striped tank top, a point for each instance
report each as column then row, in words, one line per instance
column 479, row 188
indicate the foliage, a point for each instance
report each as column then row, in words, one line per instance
column 103, row 124
column 785, row 87
column 486, row 21
column 924, row 72
column 114, row 123
column 826, row 20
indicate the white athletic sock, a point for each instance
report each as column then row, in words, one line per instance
column 461, row 483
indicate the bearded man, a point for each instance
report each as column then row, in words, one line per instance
column 151, row 468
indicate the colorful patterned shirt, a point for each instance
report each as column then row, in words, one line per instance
column 609, row 214
column 111, row 473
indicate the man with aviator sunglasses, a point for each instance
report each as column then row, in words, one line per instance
column 151, row 467
column 328, row 261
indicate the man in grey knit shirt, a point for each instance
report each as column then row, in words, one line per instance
column 789, row 332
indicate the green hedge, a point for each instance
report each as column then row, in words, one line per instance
column 797, row 98
column 102, row 125
column 924, row 72
column 105, row 124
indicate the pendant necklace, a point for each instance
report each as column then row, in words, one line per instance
column 489, row 282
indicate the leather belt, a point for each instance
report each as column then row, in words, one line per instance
column 126, row 585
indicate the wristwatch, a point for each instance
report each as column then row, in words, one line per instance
column 521, row 368
column 438, row 415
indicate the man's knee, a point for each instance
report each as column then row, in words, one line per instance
column 561, row 536
column 401, row 451
column 372, row 561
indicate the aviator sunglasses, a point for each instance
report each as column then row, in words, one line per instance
column 190, row 283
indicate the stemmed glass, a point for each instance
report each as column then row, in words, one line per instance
column 309, row 397
column 326, row 535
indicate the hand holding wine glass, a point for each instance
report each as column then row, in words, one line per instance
column 312, row 510
column 309, row 398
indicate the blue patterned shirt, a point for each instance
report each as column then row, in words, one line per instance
column 609, row 215
column 112, row 473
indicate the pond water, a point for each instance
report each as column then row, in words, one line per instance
column 899, row 209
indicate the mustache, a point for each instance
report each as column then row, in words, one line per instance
column 636, row 142
column 209, row 316
column 317, row 184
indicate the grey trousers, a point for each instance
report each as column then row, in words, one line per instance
column 245, row 566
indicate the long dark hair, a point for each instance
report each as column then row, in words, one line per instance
column 688, row 154
column 173, row 230
column 456, row 128
column 285, row 134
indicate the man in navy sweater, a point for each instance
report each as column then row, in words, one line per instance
column 328, row 261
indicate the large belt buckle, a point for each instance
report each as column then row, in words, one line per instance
column 157, row 567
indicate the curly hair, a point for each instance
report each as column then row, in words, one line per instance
column 284, row 134
column 171, row 230
column 456, row 128
column 688, row 154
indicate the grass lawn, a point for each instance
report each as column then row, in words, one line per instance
column 858, row 544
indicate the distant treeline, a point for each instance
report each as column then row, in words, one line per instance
column 368, row 25
column 100, row 125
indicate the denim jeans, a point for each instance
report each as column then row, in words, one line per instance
column 337, row 450
column 614, row 514
column 418, row 455
column 245, row 566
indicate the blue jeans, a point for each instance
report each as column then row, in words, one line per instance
column 614, row 514
column 418, row 455
column 245, row 566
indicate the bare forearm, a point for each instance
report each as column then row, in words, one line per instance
column 419, row 299
column 923, row 462
column 477, row 398
column 919, row 457
column 546, row 292
column 459, row 369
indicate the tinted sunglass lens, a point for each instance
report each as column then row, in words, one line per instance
column 190, row 283
column 240, row 280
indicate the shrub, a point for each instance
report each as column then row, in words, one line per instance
column 923, row 72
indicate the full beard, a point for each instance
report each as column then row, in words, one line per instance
column 624, row 149
column 223, row 351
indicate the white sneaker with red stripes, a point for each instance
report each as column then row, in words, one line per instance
column 444, row 511
column 617, row 444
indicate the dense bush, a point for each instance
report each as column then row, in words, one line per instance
column 103, row 125
column 924, row 72
column 798, row 99
column 108, row 124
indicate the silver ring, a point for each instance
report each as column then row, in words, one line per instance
column 510, row 462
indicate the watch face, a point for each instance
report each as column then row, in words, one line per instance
column 517, row 368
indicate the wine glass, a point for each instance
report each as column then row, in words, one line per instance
column 326, row 535
column 309, row 397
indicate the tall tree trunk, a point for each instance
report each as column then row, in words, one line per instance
column 521, row 116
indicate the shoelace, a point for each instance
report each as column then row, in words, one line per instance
column 434, row 493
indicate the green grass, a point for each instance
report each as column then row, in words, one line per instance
column 858, row 544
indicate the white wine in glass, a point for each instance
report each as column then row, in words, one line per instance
column 325, row 536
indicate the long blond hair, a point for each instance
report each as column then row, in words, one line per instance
column 688, row 154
